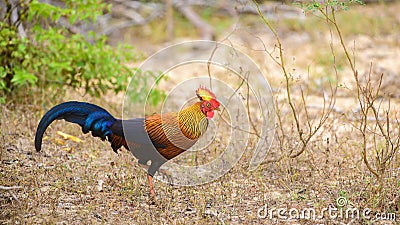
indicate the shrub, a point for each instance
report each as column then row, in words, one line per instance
column 37, row 53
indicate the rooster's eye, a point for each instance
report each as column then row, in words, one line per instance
column 208, row 105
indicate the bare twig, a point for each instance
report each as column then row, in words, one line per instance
column 14, row 196
column 248, row 110
column 10, row 188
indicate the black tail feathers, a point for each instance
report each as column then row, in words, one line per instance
column 90, row 117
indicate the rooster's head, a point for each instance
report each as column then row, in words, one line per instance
column 208, row 101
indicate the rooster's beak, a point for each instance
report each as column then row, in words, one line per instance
column 217, row 109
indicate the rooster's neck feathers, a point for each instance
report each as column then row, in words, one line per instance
column 192, row 121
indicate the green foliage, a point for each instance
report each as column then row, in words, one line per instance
column 314, row 6
column 52, row 56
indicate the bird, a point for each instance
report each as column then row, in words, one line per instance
column 156, row 138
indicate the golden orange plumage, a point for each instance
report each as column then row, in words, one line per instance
column 176, row 131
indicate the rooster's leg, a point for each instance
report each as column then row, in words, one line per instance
column 150, row 180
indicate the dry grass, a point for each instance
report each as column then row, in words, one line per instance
column 60, row 184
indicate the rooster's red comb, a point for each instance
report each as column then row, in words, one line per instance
column 204, row 94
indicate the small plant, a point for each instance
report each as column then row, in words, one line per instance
column 305, row 128
column 377, row 123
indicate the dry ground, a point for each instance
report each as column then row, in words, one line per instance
column 61, row 184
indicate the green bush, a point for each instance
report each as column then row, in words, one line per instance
column 50, row 56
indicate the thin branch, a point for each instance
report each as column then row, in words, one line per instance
column 248, row 110
column 10, row 188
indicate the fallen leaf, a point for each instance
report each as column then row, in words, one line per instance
column 58, row 141
column 69, row 137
